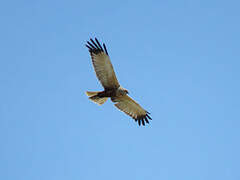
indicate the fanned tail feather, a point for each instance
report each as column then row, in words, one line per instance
column 93, row 96
column 91, row 93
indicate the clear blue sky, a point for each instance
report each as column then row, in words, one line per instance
column 179, row 59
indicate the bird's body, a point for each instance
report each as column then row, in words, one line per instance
column 112, row 89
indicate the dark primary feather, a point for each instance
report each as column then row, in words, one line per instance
column 99, row 45
column 105, row 48
column 143, row 119
column 95, row 47
column 95, row 44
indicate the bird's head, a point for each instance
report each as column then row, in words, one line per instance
column 123, row 91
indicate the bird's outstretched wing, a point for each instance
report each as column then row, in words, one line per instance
column 133, row 109
column 102, row 64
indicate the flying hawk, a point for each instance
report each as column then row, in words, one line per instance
column 112, row 89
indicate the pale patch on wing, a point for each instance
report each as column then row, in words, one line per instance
column 102, row 64
column 104, row 70
column 133, row 109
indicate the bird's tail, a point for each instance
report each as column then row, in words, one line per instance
column 93, row 96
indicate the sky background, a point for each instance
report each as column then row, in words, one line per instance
column 179, row 59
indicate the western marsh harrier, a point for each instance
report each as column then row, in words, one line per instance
column 112, row 89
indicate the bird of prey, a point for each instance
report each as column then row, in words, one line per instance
column 112, row 89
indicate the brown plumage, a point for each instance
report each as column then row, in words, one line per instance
column 112, row 89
